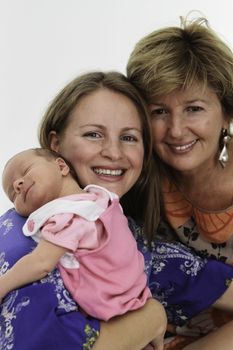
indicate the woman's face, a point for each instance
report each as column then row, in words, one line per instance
column 186, row 128
column 103, row 141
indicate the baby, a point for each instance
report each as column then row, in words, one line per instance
column 83, row 231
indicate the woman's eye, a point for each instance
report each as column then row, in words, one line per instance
column 129, row 138
column 93, row 134
column 158, row 112
column 194, row 109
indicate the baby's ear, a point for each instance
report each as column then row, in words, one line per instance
column 64, row 168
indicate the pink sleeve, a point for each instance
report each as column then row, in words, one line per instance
column 70, row 231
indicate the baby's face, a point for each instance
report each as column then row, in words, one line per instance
column 30, row 181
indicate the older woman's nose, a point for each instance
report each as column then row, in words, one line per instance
column 176, row 126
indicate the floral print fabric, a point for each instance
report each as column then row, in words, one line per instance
column 209, row 233
column 182, row 281
column 42, row 315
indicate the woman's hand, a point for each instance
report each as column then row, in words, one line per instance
column 156, row 344
column 135, row 329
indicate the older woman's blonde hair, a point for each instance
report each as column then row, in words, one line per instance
column 177, row 57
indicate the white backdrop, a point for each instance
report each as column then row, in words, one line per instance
column 46, row 43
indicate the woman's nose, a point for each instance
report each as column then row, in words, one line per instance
column 18, row 185
column 176, row 126
column 112, row 150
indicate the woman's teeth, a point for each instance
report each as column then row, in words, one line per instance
column 108, row 172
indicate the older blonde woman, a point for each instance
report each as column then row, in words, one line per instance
column 186, row 75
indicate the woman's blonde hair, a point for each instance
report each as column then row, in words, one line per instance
column 177, row 57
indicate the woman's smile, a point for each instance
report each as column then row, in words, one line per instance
column 182, row 148
column 104, row 141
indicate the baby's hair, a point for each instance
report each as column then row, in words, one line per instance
column 50, row 154
column 47, row 153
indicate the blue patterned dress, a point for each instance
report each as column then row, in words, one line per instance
column 185, row 283
column 42, row 315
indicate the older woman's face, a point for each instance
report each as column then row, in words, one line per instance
column 103, row 141
column 186, row 127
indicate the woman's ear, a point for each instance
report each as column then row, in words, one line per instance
column 64, row 168
column 54, row 141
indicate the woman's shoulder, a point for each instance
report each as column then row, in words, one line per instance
column 12, row 241
column 9, row 220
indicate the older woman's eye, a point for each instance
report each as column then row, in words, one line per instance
column 159, row 113
column 194, row 109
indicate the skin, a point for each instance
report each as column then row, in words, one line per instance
column 106, row 127
column 25, row 181
column 128, row 332
column 186, row 130
column 218, row 340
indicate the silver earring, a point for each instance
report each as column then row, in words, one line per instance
column 224, row 157
column 230, row 128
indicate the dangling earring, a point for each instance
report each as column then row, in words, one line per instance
column 230, row 128
column 224, row 157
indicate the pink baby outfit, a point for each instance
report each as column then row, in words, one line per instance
column 104, row 271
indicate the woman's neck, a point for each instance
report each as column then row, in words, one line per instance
column 70, row 186
column 210, row 188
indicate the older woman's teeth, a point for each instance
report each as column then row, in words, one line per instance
column 108, row 172
column 184, row 147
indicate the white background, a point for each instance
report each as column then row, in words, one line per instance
column 46, row 43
